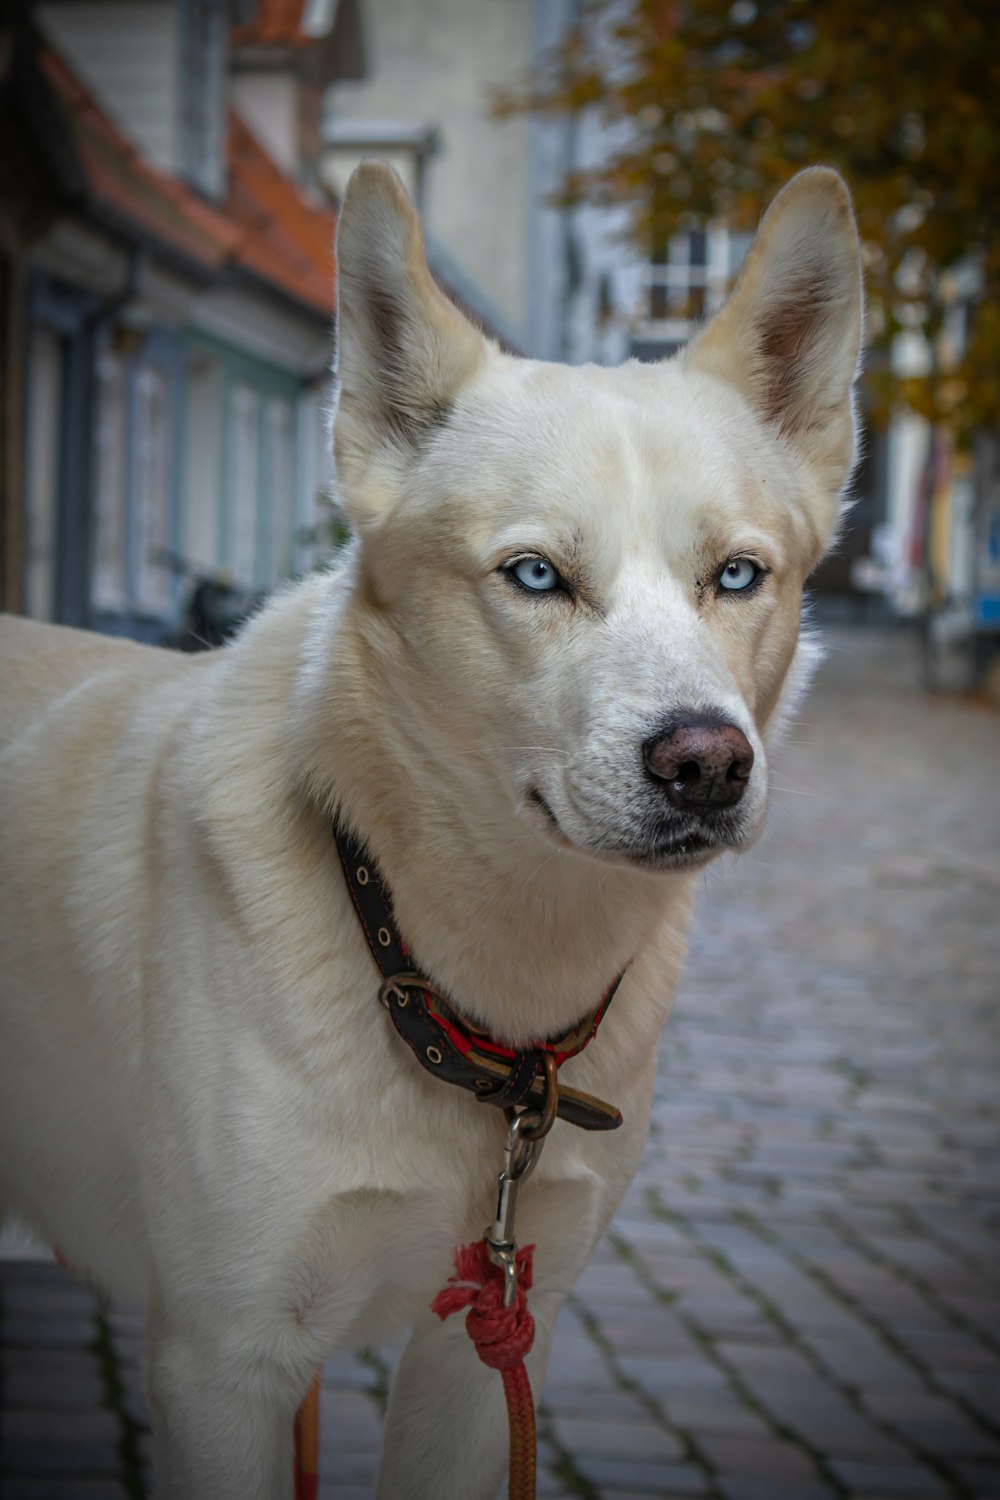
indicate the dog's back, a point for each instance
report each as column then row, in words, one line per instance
column 68, row 703
column 39, row 664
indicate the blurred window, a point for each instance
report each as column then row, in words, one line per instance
column 279, row 493
column 244, row 468
column 316, row 525
column 108, row 590
column 152, row 497
column 44, row 407
column 688, row 278
column 202, row 458
column 202, row 84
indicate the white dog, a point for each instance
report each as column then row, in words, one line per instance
column 538, row 687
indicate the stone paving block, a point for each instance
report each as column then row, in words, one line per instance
column 862, row 1360
column 651, row 1335
column 63, row 1428
column 45, row 1299
column 982, row 1312
column 673, row 1494
column 348, row 1418
column 345, row 1371
column 663, row 1377
column 730, row 1415
column 587, row 1383
column 549, row 1487
column 47, row 1457
column 964, row 1234
column 895, row 1404
column 57, row 1391
column 613, row 1405
column 351, row 1466
column 642, row 1475
column 950, row 1439
column 738, row 1487
column 823, row 1317
column 596, row 1435
column 831, row 1425
column 47, row 1364
column 909, row 1482
column 611, row 1282
column 49, row 1333
column 35, row 1273
column 982, row 1478
column 68, row 1488
column 948, row 1348
column 760, row 1458
column 752, row 1329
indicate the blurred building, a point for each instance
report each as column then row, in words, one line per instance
column 171, row 170
column 167, row 280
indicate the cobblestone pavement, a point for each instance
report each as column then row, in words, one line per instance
column 800, row 1297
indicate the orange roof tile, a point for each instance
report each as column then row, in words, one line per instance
column 123, row 181
column 278, row 23
column 267, row 225
column 286, row 239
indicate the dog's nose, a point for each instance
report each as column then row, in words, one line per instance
column 703, row 763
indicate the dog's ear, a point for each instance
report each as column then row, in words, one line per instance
column 403, row 350
column 789, row 337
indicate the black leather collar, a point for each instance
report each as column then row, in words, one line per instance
column 442, row 1040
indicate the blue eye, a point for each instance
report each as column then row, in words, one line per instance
column 739, row 574
column 536, row 574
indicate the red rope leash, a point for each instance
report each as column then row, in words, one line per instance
column 307, row 1445
column 502, row 1336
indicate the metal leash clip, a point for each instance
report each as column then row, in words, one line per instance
column 519, row 1157
column 526, row 1132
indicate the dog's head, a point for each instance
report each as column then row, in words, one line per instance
column 580, row 587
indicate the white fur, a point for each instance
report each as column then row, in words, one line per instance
column 201, row 1102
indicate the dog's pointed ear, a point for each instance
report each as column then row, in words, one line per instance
column 789, row 337
column 403, row 350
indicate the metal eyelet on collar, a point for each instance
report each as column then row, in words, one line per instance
column 362, row 874
column 434, row 1054
column 385, row 937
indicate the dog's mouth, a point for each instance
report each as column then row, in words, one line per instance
column 673, row 853
column 664, row 850
column 535, row 796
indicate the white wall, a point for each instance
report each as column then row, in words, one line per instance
column 268, row 104
column 128, row 54
column 437, row 61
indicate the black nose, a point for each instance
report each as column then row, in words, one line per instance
column 703, row 763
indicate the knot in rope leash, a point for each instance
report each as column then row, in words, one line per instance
column 502, row 1337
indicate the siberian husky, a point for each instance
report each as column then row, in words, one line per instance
column 538, row 685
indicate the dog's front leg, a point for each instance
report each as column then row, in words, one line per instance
column 222, row 1428
column 446, row 1429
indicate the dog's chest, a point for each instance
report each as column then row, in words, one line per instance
column 372, row 1260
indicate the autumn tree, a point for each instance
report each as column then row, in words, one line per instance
column 723, row 100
